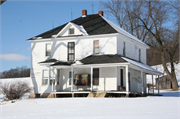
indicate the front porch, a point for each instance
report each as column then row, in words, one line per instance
column 100, row 94
column 112, row 74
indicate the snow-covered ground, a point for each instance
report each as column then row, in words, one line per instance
column 159, row 107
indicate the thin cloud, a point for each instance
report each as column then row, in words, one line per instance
column 13, row 57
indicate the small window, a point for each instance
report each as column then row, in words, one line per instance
column 71, row 52
column 124, row 48
column 48, row 49
column 71, row 31
column 96, row 76
column 52, row 77
column 96, row 47
column 45, row 77
column 139, row 54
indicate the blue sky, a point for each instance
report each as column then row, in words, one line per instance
column 21, row 20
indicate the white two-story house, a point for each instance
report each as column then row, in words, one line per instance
column 88, row 54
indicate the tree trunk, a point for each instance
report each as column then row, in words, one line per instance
column 171, row 74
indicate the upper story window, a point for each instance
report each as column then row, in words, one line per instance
column 124, row 48
column 71, row 31
column 96, row 47
column 48, row 49
column 71, row 51
column 139, row 54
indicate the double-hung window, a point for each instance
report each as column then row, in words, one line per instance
column 96, row 47
column 48, row 49
column 45, row 77
column 71, row 51
column 96, row 76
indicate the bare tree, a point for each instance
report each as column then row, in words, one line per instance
column 16, row 73
column 122, row 12
column 14, row 90
column 155, row 23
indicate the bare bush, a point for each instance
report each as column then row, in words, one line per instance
column 15, row 90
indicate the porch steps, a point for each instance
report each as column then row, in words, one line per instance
column 97, row 94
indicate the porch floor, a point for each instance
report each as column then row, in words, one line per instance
column 74, row 92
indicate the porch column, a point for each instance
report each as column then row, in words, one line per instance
column 49, row 76
column 127, row 81
column 117, row 77
column 71, row 79
column 142, row 82
column 56, row 77
column 158, row 84
column 153, row 84
column 91, row 79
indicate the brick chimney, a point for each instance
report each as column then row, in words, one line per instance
column 100, row 13
column 84, row 13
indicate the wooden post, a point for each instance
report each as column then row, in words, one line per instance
column 153, row 84
column 127, row 82
column 49, row 76
column 71, row 79
column 158, row 84
column 142, row 82
column 117, row 77
column 91, row 79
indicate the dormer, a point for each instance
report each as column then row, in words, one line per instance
column 72, row 29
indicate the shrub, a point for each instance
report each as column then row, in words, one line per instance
column 15, row 90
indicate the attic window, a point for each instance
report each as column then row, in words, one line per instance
column 71, row 31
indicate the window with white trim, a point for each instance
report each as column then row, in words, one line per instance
column 71, row 31
column 71, row 51
column 96, row 47
column 45, row 77
column 48, row 49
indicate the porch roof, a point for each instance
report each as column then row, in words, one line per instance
column 62, row 63
column 49, row 61
column 148, row 69
column 100, row 59
column 111, row 60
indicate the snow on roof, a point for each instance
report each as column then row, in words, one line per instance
column 123, row 32
column 141, row 65
column 81, row 28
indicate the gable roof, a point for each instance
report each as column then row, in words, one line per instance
column 99, row 59
column 80, row 28
column 93, row 24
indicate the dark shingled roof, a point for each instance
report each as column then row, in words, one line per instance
column 62, row 63
column 93, row 24
column 100, row 59
column 49, row 61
